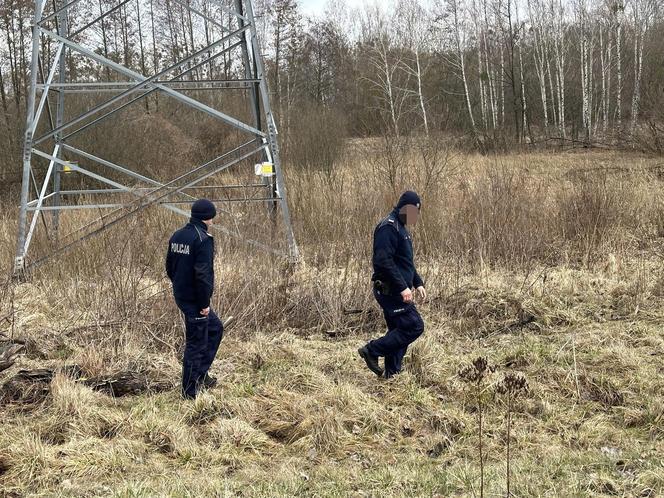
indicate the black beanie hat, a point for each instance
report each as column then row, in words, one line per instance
column 409, row 197
column 203, row 209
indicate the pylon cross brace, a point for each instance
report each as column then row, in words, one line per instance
column 261, row 143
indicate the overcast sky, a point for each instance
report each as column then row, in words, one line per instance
column 313, row 7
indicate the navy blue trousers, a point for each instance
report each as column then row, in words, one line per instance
column 203, row 336
column 404, row 326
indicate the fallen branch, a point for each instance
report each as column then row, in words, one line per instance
column 8, row 354
column 127, row 382
column 32, row 386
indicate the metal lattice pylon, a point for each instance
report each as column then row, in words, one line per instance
column 139, row 191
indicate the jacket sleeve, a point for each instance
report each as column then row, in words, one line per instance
column 386, row 242
column 169, row 262
column 417, row 280
column 203, row 273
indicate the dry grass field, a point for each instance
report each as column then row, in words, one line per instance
column 549, row 265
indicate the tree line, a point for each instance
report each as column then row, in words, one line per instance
column 501, row 72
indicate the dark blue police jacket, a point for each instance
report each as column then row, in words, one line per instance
column 189, row 264
column 393, row 255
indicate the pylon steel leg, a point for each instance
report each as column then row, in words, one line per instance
column 59, row 116
column 19, row 262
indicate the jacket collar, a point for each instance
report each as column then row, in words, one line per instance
column 198, row 224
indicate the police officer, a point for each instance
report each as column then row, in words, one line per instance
column 189, row 265
column 394, row 279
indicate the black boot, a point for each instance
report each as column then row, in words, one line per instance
column 209, row 382
column 370, row 360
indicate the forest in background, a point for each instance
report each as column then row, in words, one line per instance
column 495, row 74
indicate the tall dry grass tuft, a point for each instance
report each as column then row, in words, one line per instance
column 499, row 217
column 590, row 212
column 427, row 359
column 239, row 435
column 75, row 411
column 27, row 459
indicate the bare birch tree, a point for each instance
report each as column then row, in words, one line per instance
column 557, row 14
column 641, row 12
column 386, row 64
column 540, row 54
column 585, row 28
column 415, row 34
column 452, row 19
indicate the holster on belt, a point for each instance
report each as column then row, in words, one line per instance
column 382, row 287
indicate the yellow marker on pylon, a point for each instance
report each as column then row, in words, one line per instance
column 265, row 169
column 67, row 167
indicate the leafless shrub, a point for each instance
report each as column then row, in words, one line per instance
column 315, row 139
column 499, row 217
column 589, row 212
column 419, row 162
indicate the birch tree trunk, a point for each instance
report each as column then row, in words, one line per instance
column 502, row 87
column 559, row 48
column 641, row 12
column 23, row 63
column 3, row 95
column 481, row 55
column 461, row 61
column 13, row 61
column 605, row 58
column 155, row 59
column 524, row 104
column 539, row 54
column 389, row 87
column 209, row 34
column 104, row 39
column 190, row 26
column 491, row 73
column 583, row 25
column 410, row 20
column 420, row 93
column 638, row 69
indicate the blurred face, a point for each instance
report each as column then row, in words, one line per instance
column 208, row 222
column 410, row 214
